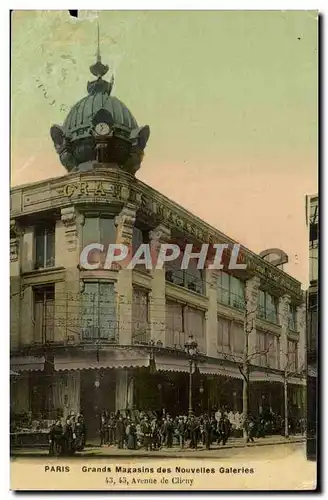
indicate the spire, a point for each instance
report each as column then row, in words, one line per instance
column 98, row 69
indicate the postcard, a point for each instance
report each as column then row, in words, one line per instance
column 163, row 250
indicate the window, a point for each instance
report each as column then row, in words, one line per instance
column 261, row 348
column 292, row 319
column 174, row 317
column 231, row 290
column 45, row 245
column 238, row 337
column 267, row 307
column 98, row 229
column 191, row 278
column 313, row 321
column 139, row 237
column 224, row 330
column 98, row 316
column 140, row 316
column 292, row 356
column 44, row 313
column 195, row 326
column 272, row 346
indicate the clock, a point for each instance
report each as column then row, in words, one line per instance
column 102, row 128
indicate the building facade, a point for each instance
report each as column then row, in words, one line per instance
column 312, row 219
column 83, row 340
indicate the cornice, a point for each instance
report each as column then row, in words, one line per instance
column 113, row 187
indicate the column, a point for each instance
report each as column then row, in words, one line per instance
column 125, row 223
column 68, row 240
column 283, row 311
column 157, row 303
column 251, row 307
column 211, row 321
column 301, row 326
column 15, row 282
column 124, row 390
column 27, row 255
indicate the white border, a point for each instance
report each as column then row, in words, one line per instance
column 4, row 191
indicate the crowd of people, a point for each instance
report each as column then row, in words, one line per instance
column 154, row 430
column 65, row 439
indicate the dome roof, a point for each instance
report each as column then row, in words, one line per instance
column 79, row 141
column 79, row 119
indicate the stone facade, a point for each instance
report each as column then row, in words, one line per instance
column 130, row 201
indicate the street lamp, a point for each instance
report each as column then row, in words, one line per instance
column 192, row 351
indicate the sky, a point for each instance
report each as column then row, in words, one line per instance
column 230, row 98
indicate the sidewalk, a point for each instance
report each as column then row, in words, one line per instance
column 201, row 452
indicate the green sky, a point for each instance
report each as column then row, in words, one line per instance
column 230, row 97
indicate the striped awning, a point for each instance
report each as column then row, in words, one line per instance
column 93, row 359
column 224, row 370
column 27, row 364
column 171, row 364
column 262, row 376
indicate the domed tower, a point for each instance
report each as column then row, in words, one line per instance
column 100, row 129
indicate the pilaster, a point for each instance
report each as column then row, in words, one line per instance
column 211, row 321
column 124, row 223
column 251, row 308
column 157, row 303
column 301, row 326
column 27, row 259
column 283, row 311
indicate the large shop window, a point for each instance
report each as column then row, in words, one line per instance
column 174, row 317
column 312, row 321
column 191, row 278
column 98, row 229
column 98, row 315
column 44, row 313
column 45, row 245
column 140, row 316
column 268, row 307
column 238, row 338
column 292, row 318
column 266, row 353
column 231, row 290
column 139, row 237
column 224, row 335
column 292, row 356
column 195, row 326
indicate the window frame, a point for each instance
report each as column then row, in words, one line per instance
column 42, row 291
column 110, row 338
column 43, row 230
column 223, row 291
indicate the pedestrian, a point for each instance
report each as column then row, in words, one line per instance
column 68, row 439
column 207, row 432
column 181, row 428
column 250, row 428
column 55, row 439
column 120, row 432
column 111, row 429
column 80, row 434
column 131, row 435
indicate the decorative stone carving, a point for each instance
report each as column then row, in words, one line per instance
column 15, row 234
column 284, row 307
column 68, row 217
column 125, row 223
column 161, row 234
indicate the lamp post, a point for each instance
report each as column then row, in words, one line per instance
column 192, row 351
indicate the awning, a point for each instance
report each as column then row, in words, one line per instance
column 27, row 364
column 220, row 369
column 92, row 359
column 171, row 364
column 262, row 376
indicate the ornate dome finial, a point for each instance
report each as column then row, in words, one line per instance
column 99, row 69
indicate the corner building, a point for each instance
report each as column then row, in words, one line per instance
column 85, row 340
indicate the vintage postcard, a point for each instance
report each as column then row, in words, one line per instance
column 163, row 250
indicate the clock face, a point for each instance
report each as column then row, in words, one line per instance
column 102, row 129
